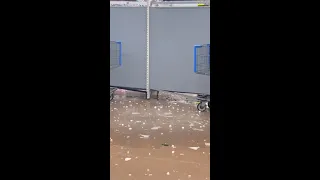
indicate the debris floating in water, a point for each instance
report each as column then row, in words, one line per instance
column 168, row 173
column 127, row 159
column 194, row 148
column 155, row 128
column 207, row 144
column 142, row 136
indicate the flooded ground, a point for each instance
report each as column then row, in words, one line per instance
column 158, row 139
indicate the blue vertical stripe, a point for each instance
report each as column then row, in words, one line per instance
column 195, row 57
column 120, row 51
column 208, row 45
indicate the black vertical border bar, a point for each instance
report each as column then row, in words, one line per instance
column 106, row 41
column 218, row 42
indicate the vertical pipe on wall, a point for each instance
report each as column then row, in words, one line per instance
column 148, row 51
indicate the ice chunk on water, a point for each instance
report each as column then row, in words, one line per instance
column 155, row 128
column 142, row 136
column 194, row 148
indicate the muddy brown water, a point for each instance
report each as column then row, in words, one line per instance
column 158, row 139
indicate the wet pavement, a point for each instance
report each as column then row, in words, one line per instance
column 158, row 139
